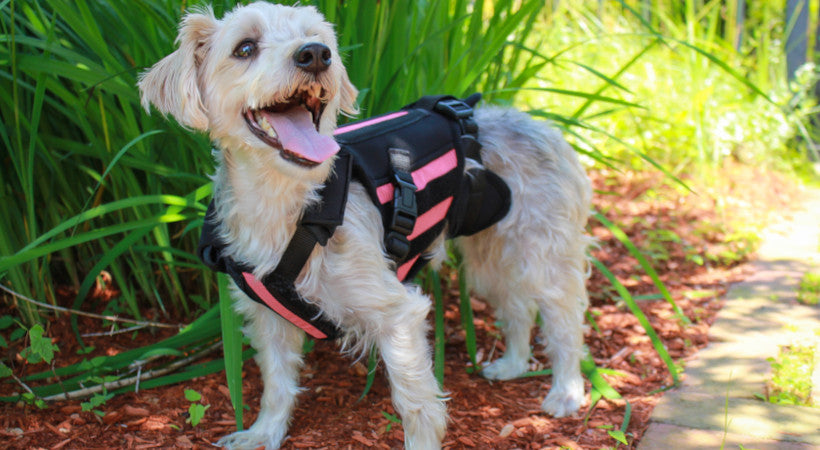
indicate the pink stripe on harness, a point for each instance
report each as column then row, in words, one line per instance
column 430, row 218
column 423, row 223
column 367, row 123
column 423, row 175
column 402, row 271
column 280, row 309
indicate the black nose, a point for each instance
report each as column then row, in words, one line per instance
column 313, row 57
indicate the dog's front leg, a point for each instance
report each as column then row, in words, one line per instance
column 279, row 356
column 415, row 392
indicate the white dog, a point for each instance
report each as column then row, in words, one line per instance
column 224, row 74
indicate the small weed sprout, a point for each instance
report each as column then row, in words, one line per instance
column 391, row 419
column 197, row 410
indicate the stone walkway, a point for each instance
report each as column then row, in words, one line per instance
column 716, row 407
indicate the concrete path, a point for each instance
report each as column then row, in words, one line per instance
column 716, row 407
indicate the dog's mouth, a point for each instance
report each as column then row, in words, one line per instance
column 292, row 127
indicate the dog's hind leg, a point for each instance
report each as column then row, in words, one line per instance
column 516, row 314
column 279, row 356
column 534, row 258
column 519, row 277
column 562, row 330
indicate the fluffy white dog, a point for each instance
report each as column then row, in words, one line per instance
column 230, row 77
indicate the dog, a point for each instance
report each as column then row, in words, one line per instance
column 260, row 58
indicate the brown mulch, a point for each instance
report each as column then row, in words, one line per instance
column 482, row 414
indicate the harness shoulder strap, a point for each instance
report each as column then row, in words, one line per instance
column 277, row 289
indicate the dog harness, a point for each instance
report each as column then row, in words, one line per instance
column 411, row 163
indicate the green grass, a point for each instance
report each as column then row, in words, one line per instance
column 809, row 291
column 701, row 101
column 791, row 381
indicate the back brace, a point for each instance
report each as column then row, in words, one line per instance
column 411, row 163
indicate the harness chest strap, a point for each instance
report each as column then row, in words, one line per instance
column 277, row 290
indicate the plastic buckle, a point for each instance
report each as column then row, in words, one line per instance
column 397, row 245
column 405, row 212
column 454, row 108
column 405, row 209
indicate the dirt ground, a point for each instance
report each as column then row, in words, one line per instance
column 502, row 415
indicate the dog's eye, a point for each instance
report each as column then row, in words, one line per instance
column 245, row 49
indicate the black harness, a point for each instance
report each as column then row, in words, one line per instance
column 411, row 162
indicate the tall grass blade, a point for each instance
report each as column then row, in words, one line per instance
column 647, row 267
column 372, row 363
column 636, row 311
column 439, row 342
column 467, row 318
column 231, row 323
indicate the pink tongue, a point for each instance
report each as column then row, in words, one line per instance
column 296, row 132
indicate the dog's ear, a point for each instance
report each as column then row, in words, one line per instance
column 347, row 96
column 171, row 85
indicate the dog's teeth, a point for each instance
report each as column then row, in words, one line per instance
column 263, row 123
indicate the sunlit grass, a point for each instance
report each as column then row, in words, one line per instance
column 809, row 291
column 791, row 381
column 701, row 101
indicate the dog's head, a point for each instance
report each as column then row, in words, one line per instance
column 265, row 77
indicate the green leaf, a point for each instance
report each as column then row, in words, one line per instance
column 372, row 361
column 40, row 345
column 17, row 334
column 599, row 384
column 6, row 321
column 5, row 371
column 192, row 395
column 195, row 413
column 391, row 419
column 618, row 435
column 86, row 350
column 96, row 401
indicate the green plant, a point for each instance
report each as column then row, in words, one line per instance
column 809, row 291
column 391, row 420
column 197, row 410
column 700, row 100
column 40, row 348
column 98, row 398
column 736, row 247
column 791, row 381
column 657, row 243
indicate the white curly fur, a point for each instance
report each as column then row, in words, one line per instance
column 531, row 261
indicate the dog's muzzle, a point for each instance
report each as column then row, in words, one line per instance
column 292, row 127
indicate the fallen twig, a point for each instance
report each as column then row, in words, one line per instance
column 113, row 332
column 87, row 314
column 116, row 384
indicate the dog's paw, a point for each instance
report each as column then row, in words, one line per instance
column 563, row 402
column 251, row 439
column 504, row 368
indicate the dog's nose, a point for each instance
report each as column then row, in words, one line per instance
column 313, row 57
